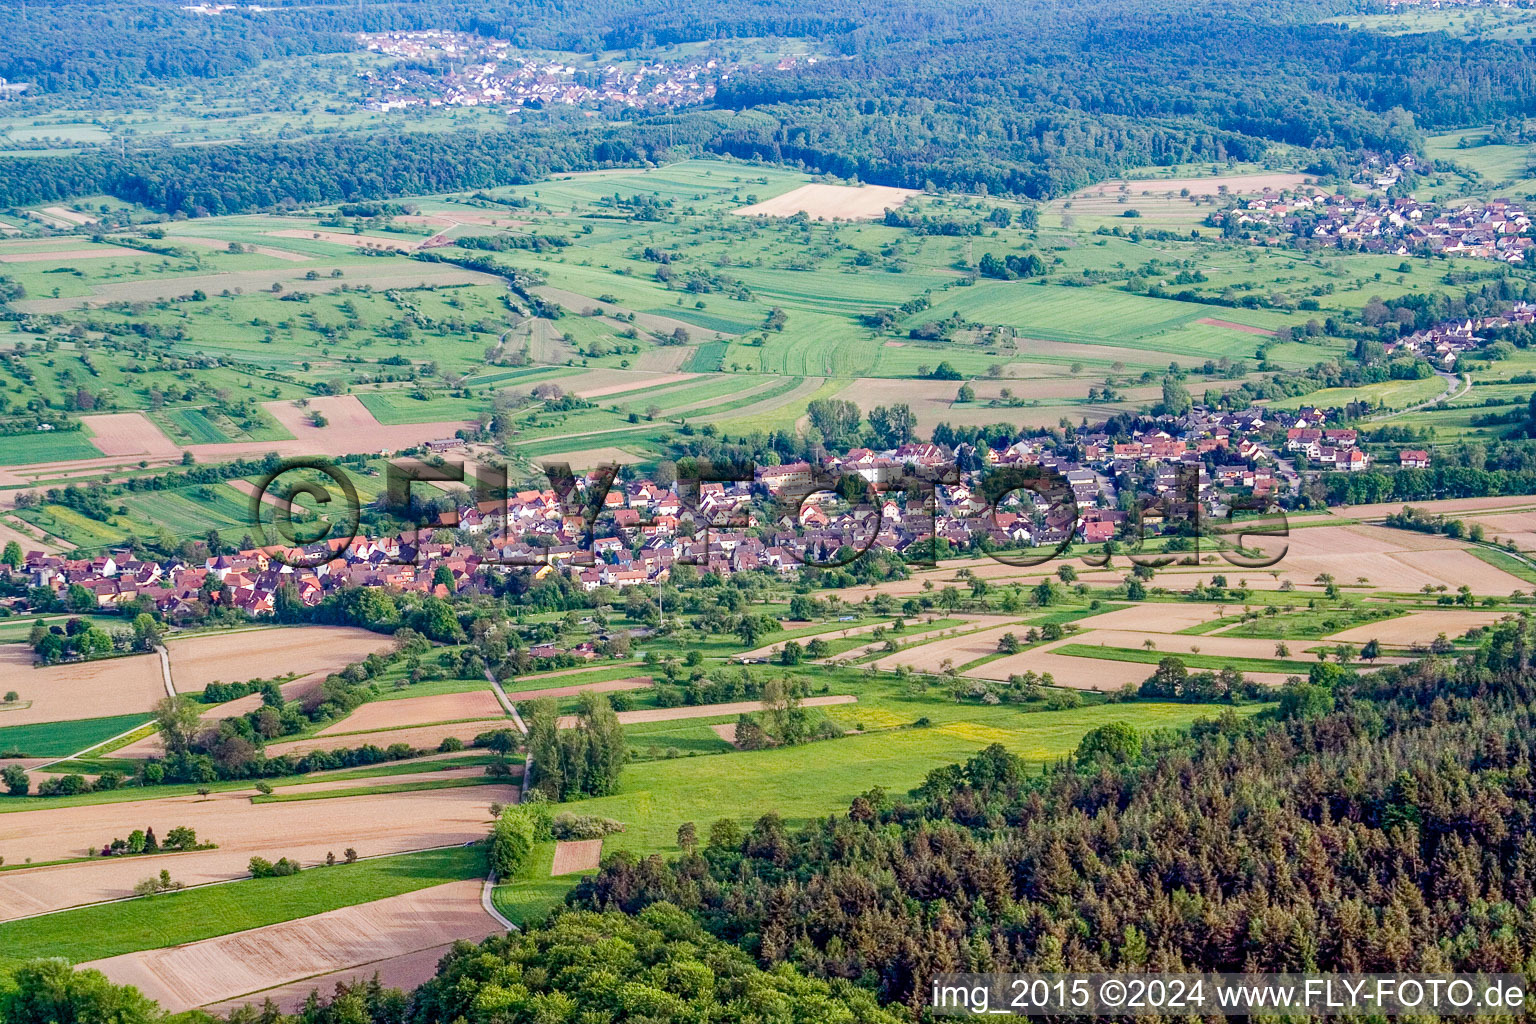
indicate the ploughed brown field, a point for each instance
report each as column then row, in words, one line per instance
column 309, row 948
column 1419, row 627
column 409, row 711
column 304, row 831
column 577, row 855
column 197, row 661
column 92, row 689
column 831, row 202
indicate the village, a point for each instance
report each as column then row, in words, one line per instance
column 638, row 532
column 1497, row 229
column 455, row 69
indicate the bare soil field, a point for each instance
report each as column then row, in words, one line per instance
column 576, row 855
column 601, row 383
column 1176, row 643
column 1518, row 528
column 1087, row 673
column 1153, row 618
column 405, row 972
column 350, row 427
column 663, row 359
column 89, row 689
column 63, row 255
column 420, row 737
column 213, row 970
column 1244, row 328
column 740, row 707
column 1394, row 560
column 930, row 657
column 197, row 661
column 834, row 202
column 27, row 536
column 608, row 686
column 129, row 434
column 304, row 830
column 1419, row 627
column 726, row 731
column 408, row 711
column 74, row 217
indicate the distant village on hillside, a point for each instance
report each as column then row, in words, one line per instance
column 455, row 69
column 1496, row 229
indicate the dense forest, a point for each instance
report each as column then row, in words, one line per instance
column 1378, row 823
column 1026, row 99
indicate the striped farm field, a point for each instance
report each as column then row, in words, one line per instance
column 198, row 428
column 1101, row 316
column 24, row 449
column 82, row 531
column 396, row 407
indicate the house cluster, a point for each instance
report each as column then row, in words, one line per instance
column 1496, row 229
column 1442, row 343
column 440, row 68
column 638, row 531
column 1329, row 449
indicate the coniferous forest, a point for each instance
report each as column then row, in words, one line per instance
column 1368, row 825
